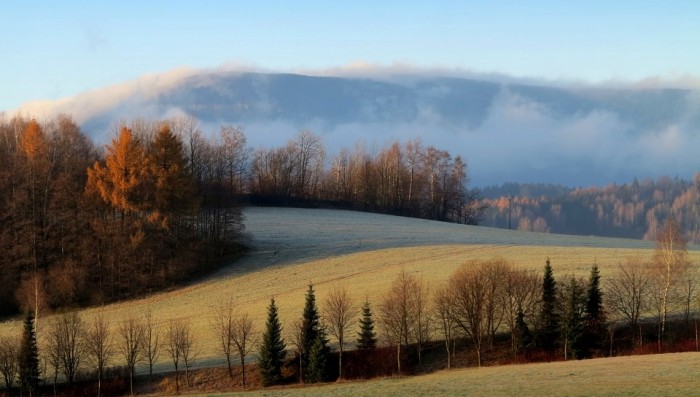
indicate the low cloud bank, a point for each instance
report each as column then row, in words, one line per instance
column 518, row 139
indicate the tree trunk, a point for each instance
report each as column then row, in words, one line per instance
column 447, row 347
column 398, row 357
column 340, row 362
column 243, row 371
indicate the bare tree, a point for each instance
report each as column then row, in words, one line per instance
column 98, row 345
column 131, row 335
column 173, row 347
column 397, row 312
column 423, row 317
column 9, row 356
column 309, row 158
column 668, row 270
column 234, row 154
column 151, row 342
column 521, row 293
column 469, row 288
column 180, row 346
column 65, row 341
column 443, row 311
column 689, row 293
column 223, row 323
column 242, row 337
column 340, row 311
column 53, row 354
column 495, row 271
column 627, row 292
column 188, row 350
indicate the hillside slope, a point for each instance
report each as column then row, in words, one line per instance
column 293, row 247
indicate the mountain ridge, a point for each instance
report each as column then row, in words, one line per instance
column 507, row 130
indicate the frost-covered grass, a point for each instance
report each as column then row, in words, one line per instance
column 363, row 252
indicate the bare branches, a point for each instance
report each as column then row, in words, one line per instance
column 223, row 324
column 340, row 312
column 131, row 334
column 244, row 340
column 98, row 346
column 180, row 347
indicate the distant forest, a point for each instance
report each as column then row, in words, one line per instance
column 635, row 210
column 161, row 202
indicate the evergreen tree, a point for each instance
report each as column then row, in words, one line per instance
column 272, row 349
column 573, row 324
column 318, row 358
column 548, row 332
column 310, row 328
column 595, row 315
column 29, row 357
column 522, row 332
column 366, row 338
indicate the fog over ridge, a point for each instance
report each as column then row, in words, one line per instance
column 508, row 129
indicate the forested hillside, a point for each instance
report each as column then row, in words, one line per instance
column 161, row 202
column 78, row 225
column 636, row 210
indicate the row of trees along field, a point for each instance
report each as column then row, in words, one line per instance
column 635, row 210
column 491, row 304
column 161, row 201
column 486, row 307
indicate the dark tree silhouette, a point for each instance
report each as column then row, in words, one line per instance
column 29, row 357
column 548, row 330
column 272, row 349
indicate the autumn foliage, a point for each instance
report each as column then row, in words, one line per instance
column 143, row 215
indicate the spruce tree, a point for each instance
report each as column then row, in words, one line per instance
column 366, row 338
column 318, row 358
column 29, row 357
column 311, row 327
column 595, row 315
column 522, row 332
column 573, row 324
column 548, row 332
column 272, row 349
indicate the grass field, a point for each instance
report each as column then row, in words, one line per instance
column 292, row 247
column 656, row 375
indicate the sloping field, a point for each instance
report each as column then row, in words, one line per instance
column 364, row 252
column 655, row 375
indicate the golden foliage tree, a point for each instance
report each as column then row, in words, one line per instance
column 121, row 181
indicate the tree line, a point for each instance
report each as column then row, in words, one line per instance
column 481, row 304
column 161, row 201
column 484, row 301
column 406, row 179
column 634, row 210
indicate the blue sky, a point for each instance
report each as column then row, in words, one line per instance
column 56, row 49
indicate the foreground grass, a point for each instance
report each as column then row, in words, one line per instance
column 653, row 375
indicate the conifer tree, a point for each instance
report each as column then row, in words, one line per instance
column 548, row 332
column 272, row 349
column 366, row 338
column 29, row 357
column 595, row 315
column 318, row 358
column 310, row 328
column 523, row 336
column 573, row 322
